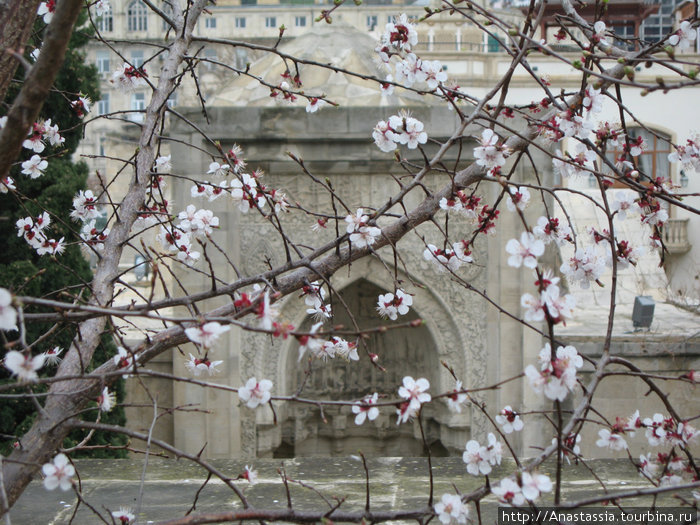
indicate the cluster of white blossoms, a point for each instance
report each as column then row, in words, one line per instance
column 244, row 189
column 194, row 224
column 46, row 10
column 93, row 236
column 509, row 420
column 450, row 259
column 361, row 233
column 202, row 365
column 34, row 232
column 125, row 360
column 34, row 167
column 529, row 487
column 395, row 51
column 684, row 38
column 197, row 223
column 525, row 251
column 578, row 163
column 366, row 409
column 688, row 154
column 661, row 430
column 414, row 391
column 314, row 297
column 665, row 468
column 391, row 305
column 466, row 205
column 481, row 458
column 85, row 211
column 517, row 198
column 255, row 392
column 129, row 78
column 24, row 365
column 399, row 129
column 451, row 509
column 556, row 376
column 456, row 398
column 610, row 439
column 584, row 267
column 549, row 302
column 206, row 334
column 176, row 240
column 84, row 206
column 551, row 229
column 320, row 348
column 338, row 347
column 40, row 133
column 491, row 154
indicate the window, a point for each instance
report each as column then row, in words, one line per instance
column 249, row 2
column 300, row 21
column 210, row 23
column 270, row 21
column 172, row 100
column 106, row 21
column 103, row 104
column 137, row 58
column 167, row 8
column 657, row 26
column 240, row 22
column 138, row 103
column 625, row 34
column 137, row 16
column 653, row 162
column 372, row 22
column 102, row 62
column 241, row 58
column 493, row 46
column 209, row 54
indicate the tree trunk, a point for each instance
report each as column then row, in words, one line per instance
column 16, row 20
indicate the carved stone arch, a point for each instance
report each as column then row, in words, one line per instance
column 263, row 357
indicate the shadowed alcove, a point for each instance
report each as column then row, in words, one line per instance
column 402, row 351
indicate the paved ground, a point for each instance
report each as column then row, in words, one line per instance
column 170, row 486
column 669, row 323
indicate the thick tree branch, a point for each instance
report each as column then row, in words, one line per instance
column 16, row 20
column 67, row 398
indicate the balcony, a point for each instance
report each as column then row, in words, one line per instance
column 675, row 233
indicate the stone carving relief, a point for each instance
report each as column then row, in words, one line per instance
column 455, row 333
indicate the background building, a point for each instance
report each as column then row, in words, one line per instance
column 482, row 345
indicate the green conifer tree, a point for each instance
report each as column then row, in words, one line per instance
column 26, row 273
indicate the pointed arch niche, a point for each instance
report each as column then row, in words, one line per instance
column 302, row 430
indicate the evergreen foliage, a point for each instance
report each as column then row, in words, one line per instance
column 24, row 272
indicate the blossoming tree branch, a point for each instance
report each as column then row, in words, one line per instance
column 570, row 128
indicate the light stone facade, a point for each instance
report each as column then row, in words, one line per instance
column 482, row 344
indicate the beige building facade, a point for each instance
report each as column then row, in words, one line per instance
column 482, row 345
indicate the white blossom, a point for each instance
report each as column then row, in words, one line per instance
column 23, row 366
column 8, row 314
column 206, row 334
column 255, row 392
column 58, row 473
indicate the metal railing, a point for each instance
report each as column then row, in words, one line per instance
column 451, row 46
